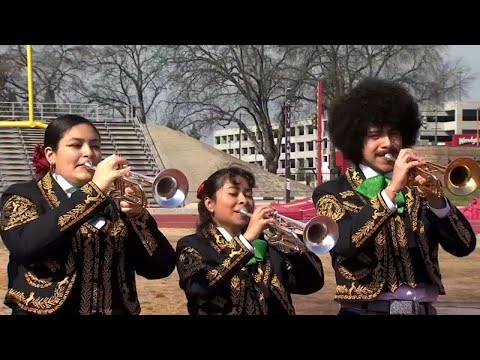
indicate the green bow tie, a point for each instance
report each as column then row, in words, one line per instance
column 373, row 186
column 260, row 247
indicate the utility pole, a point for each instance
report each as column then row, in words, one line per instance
column 286, row 115
column 436, row 138
column 240, row 140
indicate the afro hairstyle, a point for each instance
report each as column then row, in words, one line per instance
column 376, row 102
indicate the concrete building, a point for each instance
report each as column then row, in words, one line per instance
column 303, row 150
column 455, row 123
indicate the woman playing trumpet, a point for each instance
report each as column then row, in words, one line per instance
column 386, row 257
column 72, row 251
column 226, row 267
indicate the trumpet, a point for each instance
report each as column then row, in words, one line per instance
column 461, row 176
column 320, row 234
column 169, row 187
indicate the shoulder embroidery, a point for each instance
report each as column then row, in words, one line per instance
column 329, row 206
column 16, row 211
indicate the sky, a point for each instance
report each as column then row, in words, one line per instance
column 470, row 55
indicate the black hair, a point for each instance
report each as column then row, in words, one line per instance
column 59, row 126
column 213, row 184
column 376, row 102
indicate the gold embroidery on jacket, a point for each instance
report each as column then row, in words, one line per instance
column 43, row 305
column 352, row 207
column 141, row 229
column 460, row 229
column 279, row 291
column 17, row 211
column 329, row 206
column 34, row 281
column 46, row 187
column 371, row 226
column 190, row 261
column 347, row 193
column 87, row 275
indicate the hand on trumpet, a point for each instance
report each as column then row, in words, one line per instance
column 108, row 170
column 405, row 162
column 260, row 220
column 130, row 209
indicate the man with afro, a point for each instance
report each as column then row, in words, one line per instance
column 390, row 226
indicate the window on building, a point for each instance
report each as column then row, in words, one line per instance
column 245, row 136
column 275, row 133
column 225, row 151
column 301, row 163
column 260, row 163
column 301, row 130
column 309, row 145
column 292, row 147
column 224, row 139
column 237, row 137
column 217, row 140
column 292, row 163
column 301, row 176
column 469, row 115
column 309, row 162
column 230, row 151
column 245, row 151
column 252, row 150
column 325, row 158
column 292, row 131
column 301, row 146
column 282, row 149
column 324, row 144
column 292, row 176
column 310, row 129
column 282, row 164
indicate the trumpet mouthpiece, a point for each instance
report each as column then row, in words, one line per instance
column 389, row 157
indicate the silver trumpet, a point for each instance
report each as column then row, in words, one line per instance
column 320, row 234
column 169, row 187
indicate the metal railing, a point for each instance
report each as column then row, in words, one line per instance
column 149, row 146
column 49, row 111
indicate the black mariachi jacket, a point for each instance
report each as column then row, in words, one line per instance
column 58, row 258
column 373, row 250
column 216, row 280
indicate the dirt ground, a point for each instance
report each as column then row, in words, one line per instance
column 164, row 297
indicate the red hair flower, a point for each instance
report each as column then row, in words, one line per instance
column 200, row 190
column 39, row 161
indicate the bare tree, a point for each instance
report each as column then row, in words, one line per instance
column 240, row 85
column 53, row 66
column 121, row 76
column 423, row 69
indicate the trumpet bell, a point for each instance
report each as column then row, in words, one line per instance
column 170, row 188
column 462, row 176
column 320, row 234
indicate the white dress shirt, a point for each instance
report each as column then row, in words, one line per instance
column 97, row 221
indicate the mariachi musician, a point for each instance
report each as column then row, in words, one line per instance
column 72, row 250
column 392, row 217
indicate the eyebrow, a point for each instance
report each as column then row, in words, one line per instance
column 80, row 139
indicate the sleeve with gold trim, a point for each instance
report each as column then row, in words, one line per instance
column 356, row 228
column 202, row 271
column 153, row 255
column 31, row 230
column 455, row 233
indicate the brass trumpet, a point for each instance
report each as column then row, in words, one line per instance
column 461, row 176
column 320, row 234
column 169, row 187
